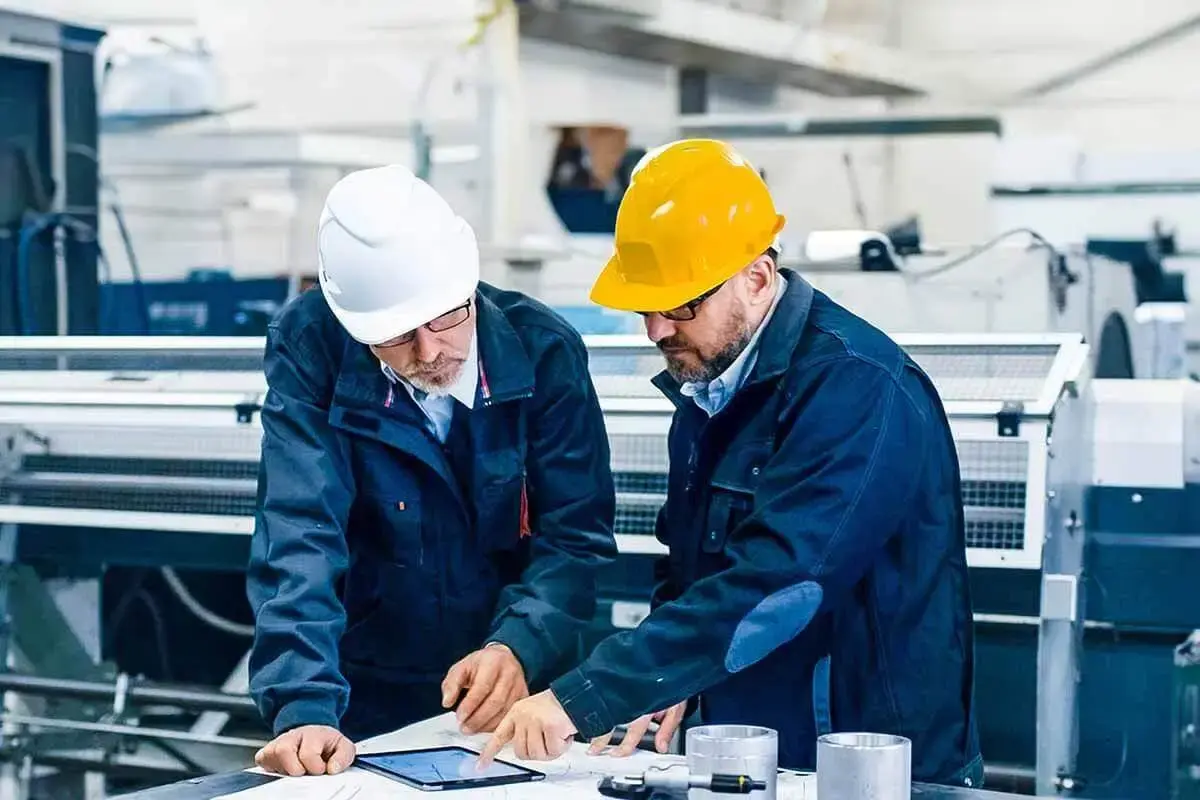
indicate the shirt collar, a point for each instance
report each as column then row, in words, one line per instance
column 464, row 389
column 715, row 394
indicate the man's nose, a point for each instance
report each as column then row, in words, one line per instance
column 658, row 327
column 426, row 346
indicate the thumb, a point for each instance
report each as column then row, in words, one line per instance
column 342, row 757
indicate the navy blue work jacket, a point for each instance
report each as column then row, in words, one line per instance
column 378, row 560
column 817, row 576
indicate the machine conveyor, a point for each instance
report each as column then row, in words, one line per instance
column 178, row 447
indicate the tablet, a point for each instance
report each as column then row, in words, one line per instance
column 439, row 768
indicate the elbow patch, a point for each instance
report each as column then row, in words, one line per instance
column 775, row 621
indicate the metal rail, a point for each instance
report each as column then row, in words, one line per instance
column 160, row 734
column 136, row 694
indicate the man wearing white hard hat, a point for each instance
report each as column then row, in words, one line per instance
column 435, row 494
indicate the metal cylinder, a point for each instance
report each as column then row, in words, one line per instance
column 733, row 750
column 864, row 766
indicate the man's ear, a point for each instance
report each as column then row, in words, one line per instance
column 761, row 275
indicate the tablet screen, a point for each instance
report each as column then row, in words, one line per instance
column 444, row 765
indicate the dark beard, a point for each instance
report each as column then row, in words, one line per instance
column 740, row 336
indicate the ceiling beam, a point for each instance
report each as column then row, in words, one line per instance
column 1093, row 66
column 693, row 33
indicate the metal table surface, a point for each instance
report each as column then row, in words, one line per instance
column 214, row 786
column 572, row 777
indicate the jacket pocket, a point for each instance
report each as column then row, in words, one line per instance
column 503, row 509
column 731, row 492
column 388, row 525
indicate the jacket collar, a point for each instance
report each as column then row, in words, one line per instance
column 779, row 340
column 506, row 372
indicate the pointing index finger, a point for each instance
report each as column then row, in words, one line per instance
column 500, row 738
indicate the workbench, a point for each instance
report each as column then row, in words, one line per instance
column 572, row 777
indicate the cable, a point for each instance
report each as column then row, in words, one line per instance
column 84, row 234
column 199, row 611
column 24, row 275
column 1107, row 782
column 160, row 631
column 977, row 251
column 139, row 287
column 122, row 608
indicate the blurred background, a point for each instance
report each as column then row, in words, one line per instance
column 1012, row 188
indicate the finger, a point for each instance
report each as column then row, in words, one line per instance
column 266, row 759
column 496, row 702
column 482, row 683
column 535, row 744
column 520, row 744
column 599, row 743
column 633, row 737
column 666, row 729
column 556, row 745
column 271, row 761
column 452, row 684
column 287, row 756
column 502, row 736
column 493, row 723
column 342, row 756
column 312, row 751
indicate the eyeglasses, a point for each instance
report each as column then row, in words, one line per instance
column 451, row 319
column 687, row 311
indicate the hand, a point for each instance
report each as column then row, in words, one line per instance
column 668, row 722
column 307, row 750
column 538, row 728
column 495, row 679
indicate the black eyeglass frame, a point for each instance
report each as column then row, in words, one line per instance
column 687, row 311
column 433, row 325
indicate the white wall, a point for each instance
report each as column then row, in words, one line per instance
column 306, row 68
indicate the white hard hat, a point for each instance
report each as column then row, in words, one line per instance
column 391, row 254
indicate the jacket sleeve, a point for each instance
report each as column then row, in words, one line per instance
column 299, row 550
column 828, row 499
column 572, row 507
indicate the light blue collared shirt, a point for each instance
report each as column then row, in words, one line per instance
column 439, row 410
column 716, row 394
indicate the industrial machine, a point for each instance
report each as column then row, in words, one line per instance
column 49, row 177
column 1005, row 286
column 1015, row 284
column 142, row 453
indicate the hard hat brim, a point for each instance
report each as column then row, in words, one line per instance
column 377, row 327
column 612, row 291
column 382, row 325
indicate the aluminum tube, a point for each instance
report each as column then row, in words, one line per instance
column 733, row 750
column 864, row 766
column 143, row 694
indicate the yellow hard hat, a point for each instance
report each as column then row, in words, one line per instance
column 695, row 213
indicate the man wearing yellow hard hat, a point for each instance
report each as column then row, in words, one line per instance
column 817, row 576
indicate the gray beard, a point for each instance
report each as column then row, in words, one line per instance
column 439, row 389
